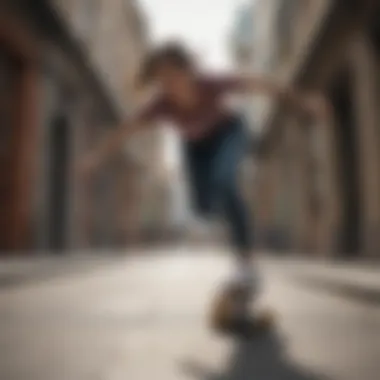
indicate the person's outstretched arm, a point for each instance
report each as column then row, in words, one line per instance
column 311, row 102
column 308, row 101
column 114, row 142
column 110, row 145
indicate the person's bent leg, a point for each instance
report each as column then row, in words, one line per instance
column 197, row 165
column 230, row 203
column 239, row 222
column 237, row 216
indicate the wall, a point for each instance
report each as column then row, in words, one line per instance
column 80, row 89
column 332, row 165
column 116, row 36
column 19, row 89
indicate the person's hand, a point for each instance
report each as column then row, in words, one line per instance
column 88, row 165
column 317, row 105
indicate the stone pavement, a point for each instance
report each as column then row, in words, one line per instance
column 16, row 271
column 145, row 318
column 357, row 280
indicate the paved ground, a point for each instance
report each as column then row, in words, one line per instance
column 17, row 271
column 145, row 319
column 357, row 280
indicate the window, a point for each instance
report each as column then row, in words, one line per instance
column 86, row 18
column 135, row 20
column 287, row 12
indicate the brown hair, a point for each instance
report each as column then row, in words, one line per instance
column 171, row 53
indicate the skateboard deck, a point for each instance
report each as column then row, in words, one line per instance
column 232, row 314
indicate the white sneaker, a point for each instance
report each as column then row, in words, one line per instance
column 246, row 278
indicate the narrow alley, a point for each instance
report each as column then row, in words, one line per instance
column 145, row 318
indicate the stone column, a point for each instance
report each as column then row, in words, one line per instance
column 296, row 180
column 365, row 72
column 277, row 202
column 74, row 233
column 49, row 96
column 266, row 196
column 327, row 182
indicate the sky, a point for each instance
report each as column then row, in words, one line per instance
column 205, row 25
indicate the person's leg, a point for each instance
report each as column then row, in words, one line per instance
column 197, row 164
column 240, row 223
column 229, row 200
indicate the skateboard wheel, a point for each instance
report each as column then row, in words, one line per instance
column 227, row 312
column 229, row 317
column 222, row 312
column 267, row 317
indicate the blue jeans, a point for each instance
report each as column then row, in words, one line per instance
column 212, row 165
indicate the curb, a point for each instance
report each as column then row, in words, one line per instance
column 354, row 291
column 47, row 272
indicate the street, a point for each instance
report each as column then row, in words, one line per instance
column 145, row 318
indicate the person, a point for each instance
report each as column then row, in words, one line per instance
column 214, row 138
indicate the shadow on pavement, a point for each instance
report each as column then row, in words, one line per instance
column 262, row 359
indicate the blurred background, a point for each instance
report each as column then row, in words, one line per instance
column 67, row 74
column 67, row 77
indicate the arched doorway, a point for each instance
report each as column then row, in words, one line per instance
column 18, row 104
column 348, row 235
column 10, row 74
column 59, row 143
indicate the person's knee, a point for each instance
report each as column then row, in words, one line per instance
column 223, row 186
column 203, row 207
column 225, row 195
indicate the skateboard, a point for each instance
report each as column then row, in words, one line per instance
column 232, row 314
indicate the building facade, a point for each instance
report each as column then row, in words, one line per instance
column 242, row 36
column 319, row 181
column 75, row 70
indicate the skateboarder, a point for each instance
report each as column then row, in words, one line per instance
column 213, row 134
